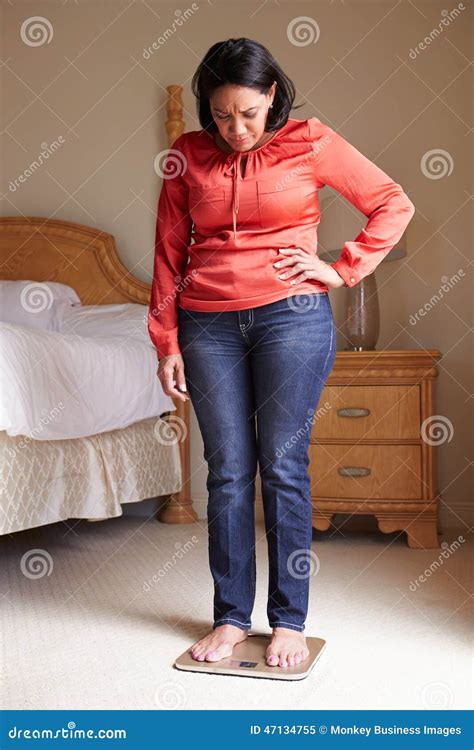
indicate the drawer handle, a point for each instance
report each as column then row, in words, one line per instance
column 353, row 471
column 353, row 411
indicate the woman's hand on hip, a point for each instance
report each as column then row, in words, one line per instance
column 171, row 375
column 305, row 266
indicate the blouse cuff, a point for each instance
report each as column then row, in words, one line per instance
column 345, row 272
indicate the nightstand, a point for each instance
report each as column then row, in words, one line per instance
column 371, row 450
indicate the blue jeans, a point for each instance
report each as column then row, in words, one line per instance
column 254, row 378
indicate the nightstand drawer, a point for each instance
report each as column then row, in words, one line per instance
column 372, row 412
column 365, row 471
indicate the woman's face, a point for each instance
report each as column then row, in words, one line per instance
column 240, row 114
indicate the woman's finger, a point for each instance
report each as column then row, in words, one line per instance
column 180, row 378
column 169, row 385
column 291, row 250
column 299, row 279
column 291, row 255
column 296, row 267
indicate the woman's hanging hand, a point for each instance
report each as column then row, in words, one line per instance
column 171, row 375
column 304, row 267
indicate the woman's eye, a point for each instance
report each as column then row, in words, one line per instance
column 249, row 116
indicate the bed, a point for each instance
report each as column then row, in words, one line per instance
column 71, row 467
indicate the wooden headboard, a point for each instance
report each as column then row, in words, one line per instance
column 40, row 249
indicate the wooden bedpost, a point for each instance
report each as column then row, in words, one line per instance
column 179, row 506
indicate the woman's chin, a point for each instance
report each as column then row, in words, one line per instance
column 246, row 143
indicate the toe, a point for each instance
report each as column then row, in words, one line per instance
column 215, row 654
column 272, row 660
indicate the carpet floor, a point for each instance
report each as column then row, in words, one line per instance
column 94, row 615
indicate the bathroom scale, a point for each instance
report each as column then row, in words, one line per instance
column 248, row 660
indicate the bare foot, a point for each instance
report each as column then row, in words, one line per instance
column 287, row 648
column 218, row 644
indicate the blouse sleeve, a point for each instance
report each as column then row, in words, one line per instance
column 172, row 238
column 371, row 191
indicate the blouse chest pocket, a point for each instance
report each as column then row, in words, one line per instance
column 207, row 205
column 278, row 204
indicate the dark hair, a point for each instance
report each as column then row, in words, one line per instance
column 242, row 62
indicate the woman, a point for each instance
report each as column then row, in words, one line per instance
column 253, row 351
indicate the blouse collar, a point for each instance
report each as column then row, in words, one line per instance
column 233, row 159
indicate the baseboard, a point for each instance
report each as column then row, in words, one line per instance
column 458, row 516
column 200, row 506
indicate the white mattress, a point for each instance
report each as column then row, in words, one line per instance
column 97, row 374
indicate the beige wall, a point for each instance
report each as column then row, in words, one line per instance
column 91, row 87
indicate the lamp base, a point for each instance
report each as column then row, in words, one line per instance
column 362, row 324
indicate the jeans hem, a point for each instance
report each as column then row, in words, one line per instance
column 237, row 623
column 288, row 625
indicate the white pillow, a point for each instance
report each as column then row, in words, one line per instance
column 126, row 320
column 35, row 304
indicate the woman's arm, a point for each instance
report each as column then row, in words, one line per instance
column 173, row 235
column 371, row 191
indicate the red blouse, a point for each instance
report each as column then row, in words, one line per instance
column 217, row 233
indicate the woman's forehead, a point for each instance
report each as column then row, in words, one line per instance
column 236, row 98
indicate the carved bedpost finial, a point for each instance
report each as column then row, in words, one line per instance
column 174, row 124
